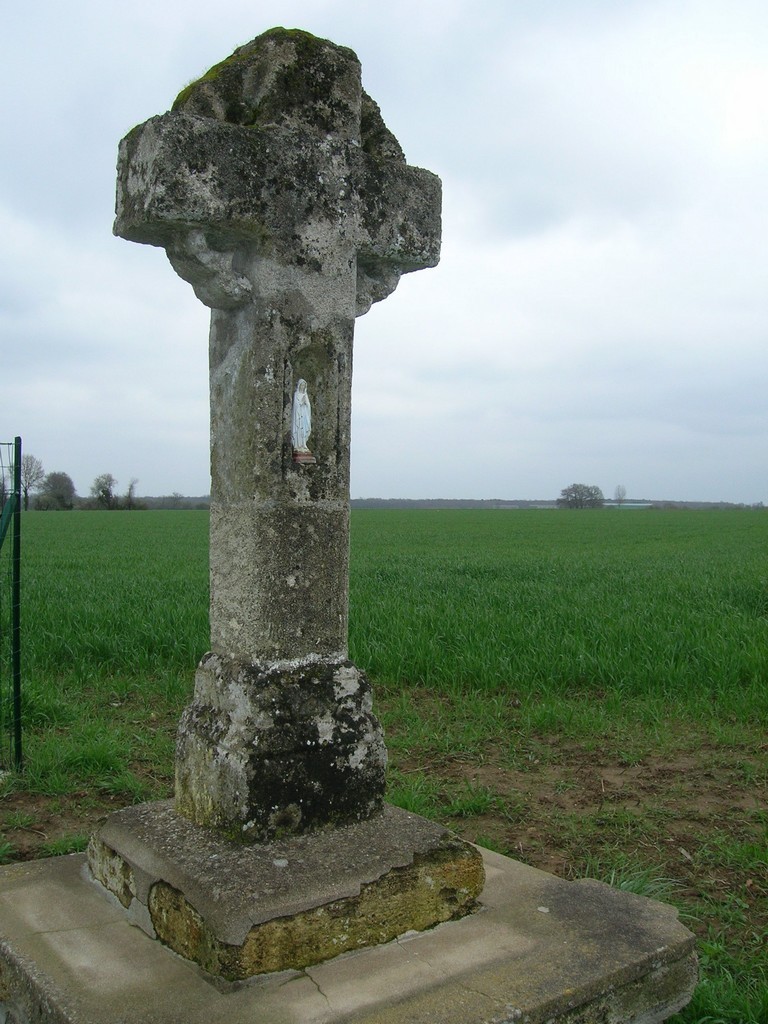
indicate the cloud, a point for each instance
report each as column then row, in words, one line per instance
column 599, row 311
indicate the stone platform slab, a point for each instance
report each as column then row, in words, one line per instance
column 540, row 950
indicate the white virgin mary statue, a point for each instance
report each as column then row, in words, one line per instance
column 301, row 420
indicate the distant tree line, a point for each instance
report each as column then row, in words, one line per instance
column 450, row 503
column 55, row 492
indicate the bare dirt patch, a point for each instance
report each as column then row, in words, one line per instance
column 38, row 826
column 698, row 818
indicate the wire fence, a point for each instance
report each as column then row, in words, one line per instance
column 10, row 605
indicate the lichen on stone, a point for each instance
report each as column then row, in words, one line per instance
column 263, row 752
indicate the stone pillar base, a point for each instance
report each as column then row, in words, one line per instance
column 240, row 910
column 271, row 750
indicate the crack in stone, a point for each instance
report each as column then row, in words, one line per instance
column 308, row 975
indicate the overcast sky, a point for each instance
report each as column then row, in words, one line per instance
column 600, row 312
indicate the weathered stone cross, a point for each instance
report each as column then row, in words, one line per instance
column 280, row 195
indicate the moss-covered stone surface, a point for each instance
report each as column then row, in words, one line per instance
column 266, row 752
column 437, row 887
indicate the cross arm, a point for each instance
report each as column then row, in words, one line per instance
column 400, row 225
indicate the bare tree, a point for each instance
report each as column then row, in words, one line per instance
column 620, row 494
column 32, row 475
column 130, row 494
column 103, row 490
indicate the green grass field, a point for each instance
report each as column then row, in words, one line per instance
column 645, row 604
column 585, row 691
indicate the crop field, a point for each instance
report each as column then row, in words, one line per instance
column 585, row 691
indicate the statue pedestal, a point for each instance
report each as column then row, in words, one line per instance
column 304, row 458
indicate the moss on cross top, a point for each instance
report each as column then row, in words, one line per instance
column 251, row 87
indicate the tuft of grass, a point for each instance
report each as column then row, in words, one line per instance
column 736, row 853
column 492, row 844
column 65, row 844
column 18, row 819
column 629, row 876
column 431, row 797
column 726, row 993
column 86, row 755
column 130, row 787
column 6, row 852
column 415, row 792
column 470, row 800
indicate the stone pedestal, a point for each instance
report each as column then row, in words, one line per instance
column 239, row 910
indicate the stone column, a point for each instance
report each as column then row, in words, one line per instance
column 280, row 195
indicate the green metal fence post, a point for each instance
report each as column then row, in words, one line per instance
column 16, row 606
